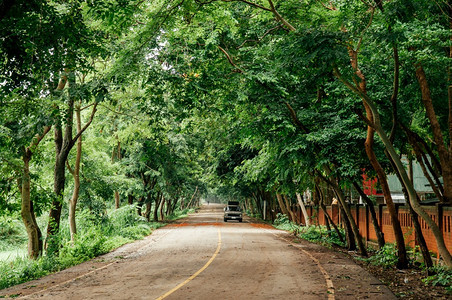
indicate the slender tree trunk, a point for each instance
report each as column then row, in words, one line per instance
column 147, row 213
column 402, row 262
column 192, row 197
column 258, row 206
column 328, row 217
column 35, row 246
column 341, row 198
column 444, row 152
column 303, row 209
column 168, row 206
column 331, row 222
column 158, row 199
column 130, row 199
column 117, row 200
column 116, row 155
column 415, row 219
column 33, row 231
column 76, row 174
column 349, row 235
column 63, row 145
column 282, row 205
column 289, row 209
column 139, row 205
column 377, row 228
column 162, row 205
column 368, row 144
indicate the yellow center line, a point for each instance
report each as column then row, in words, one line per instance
column 198, row 272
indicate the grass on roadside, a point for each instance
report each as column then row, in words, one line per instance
column 96, row 235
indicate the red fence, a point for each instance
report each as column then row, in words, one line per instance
column 442, row 215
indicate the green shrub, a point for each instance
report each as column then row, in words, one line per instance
column 178, row 214
column 386, row 257
column 20, row 270
column 136, row 232
column 86, row 245
column 442, row 277
column 96, row 235
column 126, row 216
column 281, row 219
column 12, row 234
column 282, row 222
column 320, row 235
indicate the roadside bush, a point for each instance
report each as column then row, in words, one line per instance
column 442, row 277
column 177, row 214
column 96, row 235
column 87, row 245
column 320, row 234
column 281, row 219
column 135, row 232
column 386, row 257
column 125, row 216
column 282, row 222
column 12, row 233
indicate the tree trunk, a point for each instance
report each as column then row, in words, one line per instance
column 162, row 205
column 117, row 200
column 282, row 205
column 444, row 252
column 303, row 209
column 147, row 213
column 328, row 217
column 445, row 154
column 289, row 209
column 157, row 204
column 116, row 155
column 63, row 145
column 341, row 198
column 76, row 174
column 377, row 228
column 417, row 227
column 331, row 222
column 402, row 261
column 35, row 246
column 368, row 145
column 349, row 235
column 192, row 197
column 27, row 213
column 258, row 206
column 130, row 199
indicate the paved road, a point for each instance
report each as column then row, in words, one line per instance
column 201, row 257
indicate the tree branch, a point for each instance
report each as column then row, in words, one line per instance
column 365, row 29
column 93, row 112
column 69, row 168
column 230, row 60
column 249, row 3
column 395, row 92
column 261, row 38
column 331, row 7
column 279, row 17
column 364, row 118
column 295, row 119
column 37, row 139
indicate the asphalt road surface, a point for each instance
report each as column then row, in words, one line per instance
column 202, row 257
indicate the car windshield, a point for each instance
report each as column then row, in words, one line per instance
column 233, row 208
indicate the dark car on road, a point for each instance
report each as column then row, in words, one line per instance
column 232, row 212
